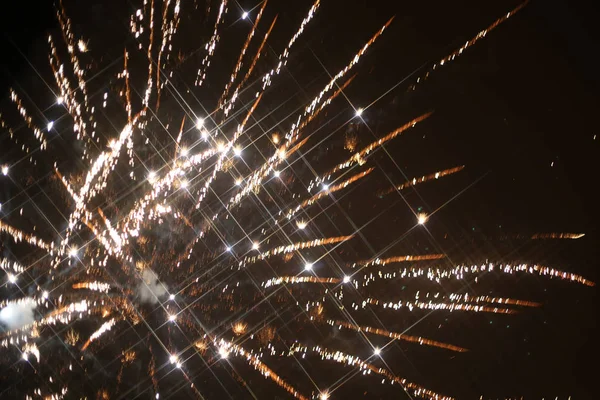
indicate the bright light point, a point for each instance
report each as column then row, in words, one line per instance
column 178, row 365
column 238, row 182
column 82, row 46
column 50, row 125
column 24, row 356
column 12, row 278
column 276, row 173
column 45, row 295
column 244, row 15
column 204, row 135
column 184, row 184
column 359, row 112
column 73, row 252
column 173, row 359
column 237, row 151
column 325, row 186
column 5, row 170
column 171, row 297
column 184, row 151
column 301, row 224
column 255, row 245
column 324, row 396
column 59, row 100
column 228, row 248
column 377, row 351
column 308, row 266
column 281, row 154
column 223, row 352
column 220, row 147
column 199, row 123
column 422, row 218
column 275, row 138
column 151, row 176
column 346, row 279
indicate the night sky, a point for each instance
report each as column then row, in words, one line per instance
column 518, row 110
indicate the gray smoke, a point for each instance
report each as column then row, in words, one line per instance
column 17, row 315
column 150, row 290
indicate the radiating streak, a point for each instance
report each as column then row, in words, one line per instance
column 37, row 132
column 328, row 191
column 367, row 368
column 480, row 35
column 297, row 279
column 358, row 158
column 424, row 178
column 563, row 235
column 258, row 365
column 238, row 65
column 433, row 306
column 398, row 259
column 211, row 45
column 394, row 335
column 104, row 328
column 95, row 286
column 19, row 235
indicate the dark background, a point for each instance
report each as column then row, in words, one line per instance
column 521, row 99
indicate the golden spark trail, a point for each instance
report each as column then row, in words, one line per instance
column 18, row 236
column 226, row 348
column 367, row 368
column 480, row 35
column 211, row 45
column 104, row 328
column 358, row 158
column 297, row 279
column 424, row 178
column 398, row 259
column 423, row 305
column 382, row 332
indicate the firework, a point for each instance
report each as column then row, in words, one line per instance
column 208, row 257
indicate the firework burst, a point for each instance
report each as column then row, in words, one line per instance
column 192, row 243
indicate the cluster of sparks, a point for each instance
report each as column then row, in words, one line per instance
column 117, row 239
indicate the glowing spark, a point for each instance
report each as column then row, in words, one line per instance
column 301, row 224
column 237, row 151
column 255, row 246
column 184, row 151
column 244, row 15
column 422, row 218
column 308, row 266
column 346, row 279
column 5, row 170
column 172, row 318
column 50, row 125
column 359, row 112
column 73, row 252
column 59, row 100
column 276, row 173
column 376, row 351
column 171, row 297
column 199, row 123
column 12, row 278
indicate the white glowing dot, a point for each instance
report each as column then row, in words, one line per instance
column 244, row 15
column 255, row 245
column 238, row 182
column 50, row 125
column 178, row 365
column 173, row 359
column 237, row 151
column 301, row 224
column 220, row 147
column 12, row 278
column 171, row 297
column 422, row 218
column 346, row 279
column 228, row 248
column 184, row 151
column 377, row 351
column 223, row 352
column 24, row 356
column 276, row 173
column 172, row 318
column 308, row 266
column 325, row 186
column 73, row 252
column 157, row 396
column 204, row 134
column 82, row 46
column 45, row 294
column 59, row 100
column 359, row 112
column 324, row 396
column 5, row 170
column 199, row 123
column 281, row 154
column 184, row 184
column 152, row 176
